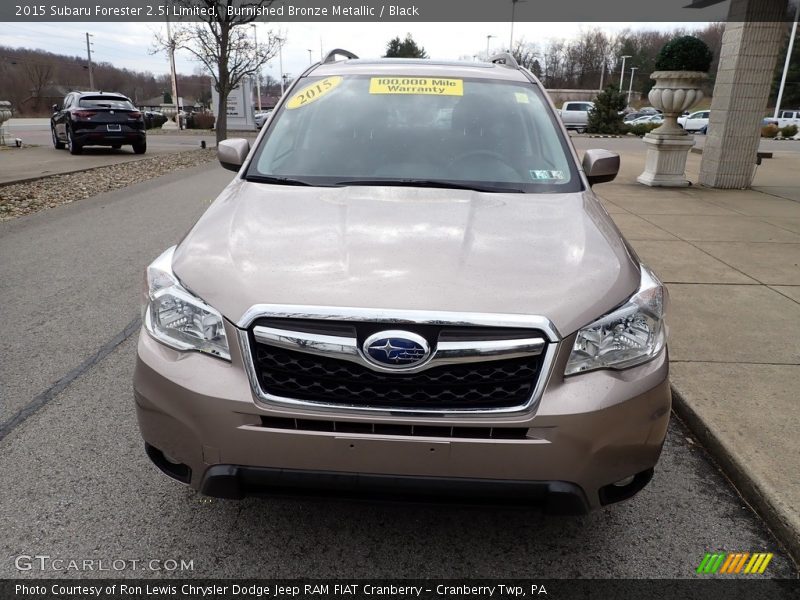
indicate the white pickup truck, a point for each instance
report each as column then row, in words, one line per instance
column 786, row 118
column 575, row 114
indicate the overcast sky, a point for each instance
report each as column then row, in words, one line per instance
column 128, row 44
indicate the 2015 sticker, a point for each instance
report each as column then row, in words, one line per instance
column 541, row 174
column 416, row 85
column 312, row 93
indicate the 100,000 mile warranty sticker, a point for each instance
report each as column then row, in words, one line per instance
column 416, row 85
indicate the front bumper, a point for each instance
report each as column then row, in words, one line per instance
column 199, row 418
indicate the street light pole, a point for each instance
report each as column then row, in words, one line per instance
column 309, row 56
column 258, row 73
column 786, row 63
column 513, row 11
column 622, row 71
column 630, row 88
column 488, row 37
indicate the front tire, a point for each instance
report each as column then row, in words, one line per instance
column 58, row 145
column 140, row 147
column 73, row 146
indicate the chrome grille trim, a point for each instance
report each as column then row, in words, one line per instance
column 399, row 316
column 346, row 348
column 270, row 401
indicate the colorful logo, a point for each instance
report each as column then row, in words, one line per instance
column 743, row 563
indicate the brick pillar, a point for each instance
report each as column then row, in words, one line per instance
column 754, row 34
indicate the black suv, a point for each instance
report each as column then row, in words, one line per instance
column 97, row 119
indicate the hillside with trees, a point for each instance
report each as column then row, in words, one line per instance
column 33, row 80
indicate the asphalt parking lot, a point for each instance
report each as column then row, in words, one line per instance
column 77, row 484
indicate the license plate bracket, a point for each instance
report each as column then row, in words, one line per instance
column 114, row 127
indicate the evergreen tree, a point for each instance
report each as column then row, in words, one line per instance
column 605, row 117
column 407, row 48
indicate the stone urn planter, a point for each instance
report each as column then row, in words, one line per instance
column 681, row 68
column 669, row 145
column 673, row 93
column 5, row 115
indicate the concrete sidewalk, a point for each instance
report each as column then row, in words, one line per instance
column 731, row 259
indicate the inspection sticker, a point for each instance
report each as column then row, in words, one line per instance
column 312, row 93
column 537, row 174
column 522, row 97
column 416, row 85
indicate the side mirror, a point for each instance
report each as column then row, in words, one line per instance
column 55, row 107
column 600, row 166
column 232, row 153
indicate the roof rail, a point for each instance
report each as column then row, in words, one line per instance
column 505, row 58
column 330, row 57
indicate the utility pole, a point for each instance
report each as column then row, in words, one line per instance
column 310, row 60
column 630, row 88
column 280, row 64
column 488, row 37
column 258, row 73
column 622, row 71
column 174, row 76
column 788, row 60
column 89, row 56
column 602, row 73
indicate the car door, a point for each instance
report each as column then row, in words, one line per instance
column 694, row 122
column 60, row 117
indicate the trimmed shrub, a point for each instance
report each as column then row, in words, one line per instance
column 200, row 121
column 685, row 53
column 605, row 117
column 789, row 131
column 769, row 131
column 641, row 129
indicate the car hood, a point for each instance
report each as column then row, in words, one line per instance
column 554, row 255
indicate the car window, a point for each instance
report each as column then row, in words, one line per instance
column 705, row 115
column 67, row 101
column 105, row 102
column 336, row 129
column 787, row 114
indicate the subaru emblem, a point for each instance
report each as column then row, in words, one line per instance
column 396, row 349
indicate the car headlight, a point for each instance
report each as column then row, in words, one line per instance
column 176, row 317
column 630, row 335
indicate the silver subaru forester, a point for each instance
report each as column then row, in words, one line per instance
column 409, row 288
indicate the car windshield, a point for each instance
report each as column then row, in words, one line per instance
column 440, row 132
column 105, row 102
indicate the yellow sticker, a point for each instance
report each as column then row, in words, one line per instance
column 312, row 93
column 416, row 85
column 522, row 97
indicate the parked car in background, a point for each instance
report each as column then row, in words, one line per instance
column 630, row 117
column 153, row 119
column 407, row 288
column 786, row 118
column 575, row 114
column 261, row 117
column 657, row 119
column 649, row 110
column 97, row 119
column 696, row 121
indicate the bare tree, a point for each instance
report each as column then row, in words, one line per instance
column 223, row 46
column 39, row 75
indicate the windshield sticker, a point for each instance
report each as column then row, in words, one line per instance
column 522, row 98
column 416, row 85
column 549, row 175
column 313, row 92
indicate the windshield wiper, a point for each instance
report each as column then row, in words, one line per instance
column 431, row 183
column 275, row 180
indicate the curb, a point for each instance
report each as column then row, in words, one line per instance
column 752, row 492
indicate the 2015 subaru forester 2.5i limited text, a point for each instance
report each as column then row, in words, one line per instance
column 409, row 288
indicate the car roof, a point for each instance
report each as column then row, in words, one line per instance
column 99, row 93
column 419, row 68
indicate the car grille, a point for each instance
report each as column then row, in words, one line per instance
column 488, row 384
